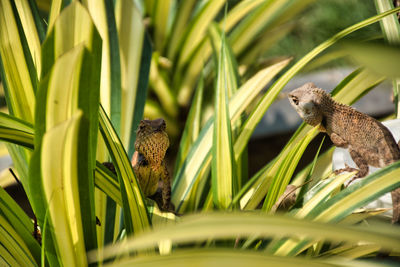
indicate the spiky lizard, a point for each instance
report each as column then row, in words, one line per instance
column 148, row 161
column 369, row 142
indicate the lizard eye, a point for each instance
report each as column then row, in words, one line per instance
column 295, row 100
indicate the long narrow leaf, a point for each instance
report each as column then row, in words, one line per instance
column 234, row 257
column 200, row 152
column 20, row 222
column 136, row 217
column 224, row 183
column 14, row 244
column 391, row 29
column 213, row 225
column 64, row 163
column 19, row 84
column 16, row 131
column 197, row 29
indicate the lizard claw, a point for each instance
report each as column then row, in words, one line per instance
column 347, row 168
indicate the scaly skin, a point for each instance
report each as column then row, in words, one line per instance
column 368, row 141
column 148, row 161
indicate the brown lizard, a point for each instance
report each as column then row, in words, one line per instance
column 148, row 161
column 368, row 141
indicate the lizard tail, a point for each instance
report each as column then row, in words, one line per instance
column 396, row 206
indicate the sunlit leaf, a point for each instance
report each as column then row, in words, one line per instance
column 200, row 152
column 224, row 183
column 213, row 225
column 64, row 166
column 136, row 217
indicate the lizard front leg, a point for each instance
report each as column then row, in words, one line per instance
column 361, row 164
column 166, row 190
column 338, row 141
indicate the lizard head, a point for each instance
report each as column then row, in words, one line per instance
column 306, row 100
column 152, row 141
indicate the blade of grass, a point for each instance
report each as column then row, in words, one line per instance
column 192, row 125
column 16, row 131
column 141, row 94
column 182, row 16
column 200, row 152
column 106, row 181
column 391, row 29
column 16, row 71
column 342, row 204
column 20, row 222
column 14, row 245
column 233, row 257
column 135, row 53
column 197, row 29
column 224, row 179
column 136, row 217
column 213, row 225
column 161, row 14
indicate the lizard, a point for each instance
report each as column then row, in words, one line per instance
column 369, row 142
column 148, row 161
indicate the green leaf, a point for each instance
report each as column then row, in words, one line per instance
column 273, row 180
column 283, row 173
column 71, row 82
column 60, row 40
column 60, row 105
column 192, row 126
column 203, row 226
column 106, row 181
column 391, row 29
column 55, row 10
column 32, row 27
column 161, row 88
column 136, row 217
column 202, row 52
column 160, row 17
column 219, row 44
column 390, row 24
column 267, row 14
column 64, row 167
column 197, row 29
column 141, row 94
column 135, row 52
column 125, row 64
column 321, row 195
column 342, row 204
column 379, row 58
column 224, row 179
column 352, row 251
column 199, row 155
column 14, row 245
column 233, row 257
column 21, row 224
column 358, row 194
column 16, row 131
column 182, row 16
column 16, row 68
